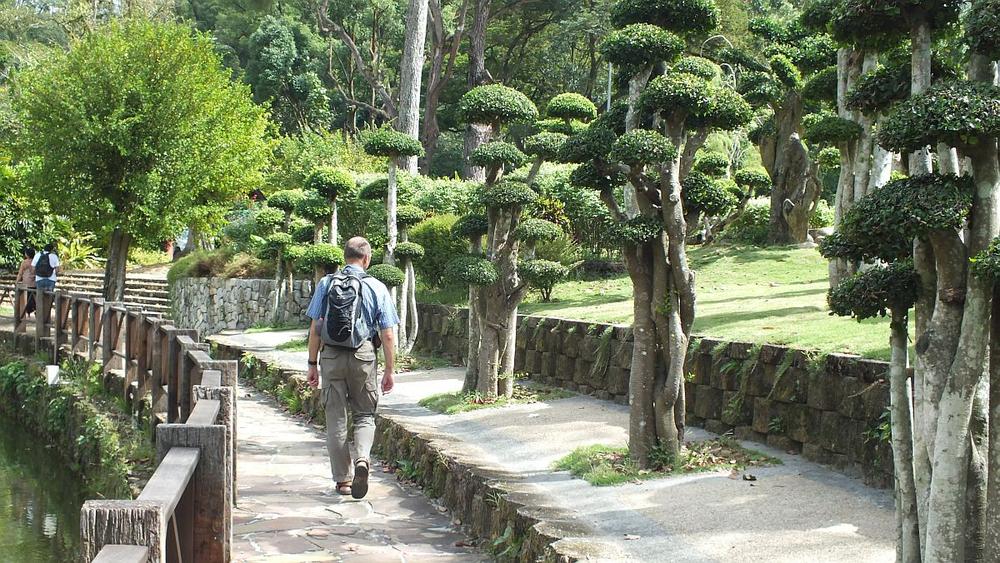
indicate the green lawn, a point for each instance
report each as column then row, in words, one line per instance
column 765, row 295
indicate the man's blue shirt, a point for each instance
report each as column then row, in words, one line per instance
column 377, row 307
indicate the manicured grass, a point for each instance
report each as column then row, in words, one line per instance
column 294, row 345
column 759, row 295
column 275, row 328
column 455, row 403
column 602, row 465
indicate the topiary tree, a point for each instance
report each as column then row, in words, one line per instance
column 320, row 259
column 533, row 231
column 486, row 109
column 286, row 201
column 651, row 146
column 388, row 274
column 493, row 306
column 314, row 208
column 543, row 275
column 712, row 164
column 331, row 183
column 281, row 248
column 407, row 252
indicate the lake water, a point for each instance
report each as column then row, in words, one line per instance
column 40, row 500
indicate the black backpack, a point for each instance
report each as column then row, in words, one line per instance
column 44, row 268
column 344, row 325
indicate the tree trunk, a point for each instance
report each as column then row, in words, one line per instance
column 991, row 525
column 920, row 81
column 276, row 307
column 476, row 134
column 414, row 314
column 794, row 196
column 114, row 269
column 391, row 230
column 333, row 222
column 472, row 356
column 907, row 524
column 402, row 330
column 411, row 71
column 636, row 85
column 642, row 372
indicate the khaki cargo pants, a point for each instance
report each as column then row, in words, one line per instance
column 350, row 380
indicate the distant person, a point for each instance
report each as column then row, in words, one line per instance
column 47, row 268
column 352, row 315
column 26, row 278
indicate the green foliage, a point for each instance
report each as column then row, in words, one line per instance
column 571, row 106
column 816, row 14
column 443, row 195
column 537, row 230
column 830, row 129
column 497, row 154
column 322, row 255
column 23, row 220
column 727, row 110
column 876, row 291
column 178, row 142
column 434, row 234
column 275, row 245
column 641, row 44
column 676, row 92
column 560, row 126
column 543, row 275
column 496, row 104
column 986, row 264
column 313, row 207
column 821, row 86
column 642, row 146
column 472, row 270
column 302, row 231
column 506, row 194
column 828, row 158
column 331, row 182
column 880, row 23
column 638, row 230
column 755, row 181
column 391, row 276
column 588, row 175
column 387, row 142
column 822, row 216
column 594, row 143
column 472, row 225
column 544, row 145
column 679, row 16
column 698, row 66
column 702, row 193
column 408, row 251
column 815, row 53
column 286, row 200
column 982, row 28
column 883, row 224
column 957, row 113
column 751, row 226
column 786, row 72
column 408, row 216
column 712, row 164
column 759, row 88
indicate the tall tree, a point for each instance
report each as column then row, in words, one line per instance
column 476, row 133
column 411, row 71
column 137, row 129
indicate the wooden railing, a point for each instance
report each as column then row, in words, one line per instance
column 184, row 513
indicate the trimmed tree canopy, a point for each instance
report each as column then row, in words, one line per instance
column 497, row 154
column 286, row 200
column 638, row 230
column 679, row 16
column 877, row 23
column 727, row 110
column 712, row 164
column 755, row 181
column 408, row 251
column 957, row 113
column 544, row 145
column 982, row 28
column 330, row 182
column 313, row 207
column 676, row 92
column 321, row 255
column 388, row 142
column 822, row 86
column 785, row 71
column 698, row 66
column 472, row 270
column 876, row 291
column 986, row 264
column 829, row 129
column 702, row 193
column 375, row 190
column 571, row 106
column 409, row 215
column 473, row 225
column 642, row 146
column 594, row 143
column 390, row 275
column 507, row 193
column 496, row 104
column 641, row 44
column 537, row 230
column 587, row 175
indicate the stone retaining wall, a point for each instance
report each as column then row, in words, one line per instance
column 212, row 305
column 828, row 408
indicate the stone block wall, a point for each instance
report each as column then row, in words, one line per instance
column 826, row 408
column 212, row 305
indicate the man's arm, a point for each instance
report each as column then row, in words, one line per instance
column 389, row 349
column 314, row 345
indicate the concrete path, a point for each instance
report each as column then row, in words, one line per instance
column 289, row 512
column 797, row 511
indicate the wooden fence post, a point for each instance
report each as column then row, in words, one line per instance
column 96, row 329
column 127, row 522
column 212, row 511
column 227, row 417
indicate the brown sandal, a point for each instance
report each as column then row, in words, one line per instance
column 344, row 488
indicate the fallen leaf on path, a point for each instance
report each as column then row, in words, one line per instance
column 629, row 537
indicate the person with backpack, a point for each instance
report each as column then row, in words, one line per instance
column 46, row 265
column 352, row 316
column 26, row 279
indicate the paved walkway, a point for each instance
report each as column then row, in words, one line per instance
column 797, row 511
column 289, row 512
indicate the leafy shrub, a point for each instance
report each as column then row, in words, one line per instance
column 409, row 250
column 875, row 291
column 561, row 249
column 640, row 44
column 829, row 129
column 822, row 86
column 982, row 30
column 313, row 207
column 571, row 106
column 642, row 146
column 698, row 66
column 391, row 276
column 409, row 215
column 286, row 200
column 471, row 225
column 497, row 154
column 544, row 145
column 756, row 181
column 537, row 230
column 507, row 193
column 388, row 142
column 440, row 246
column 472, row 270
column 331, row 182
column 822, row 216
column 587, row 175
column 676, row 92
column 496, row 103
column 543, row 275
column 199, row 264
column 322, row 255
column 751, row 226
column 953, row 112
column 785, row 71
column 444, row 195
column 681, row 16
column 712, row 164
column 704, row 194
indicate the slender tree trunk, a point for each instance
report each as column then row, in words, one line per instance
column 476, row 134
column 333, row 222
column 276, row 308
column 920, row 62
column 412, row 305
column 391, row 230
column 114, row 269
column 472, row 356
column 411, row 71
column 907, row 523
column 991, row 524
column 402, row 306
column 636, row 85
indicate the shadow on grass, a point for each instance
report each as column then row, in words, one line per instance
column 723, row 319
column 782, row 295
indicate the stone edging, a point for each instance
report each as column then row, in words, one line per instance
column 481, row 498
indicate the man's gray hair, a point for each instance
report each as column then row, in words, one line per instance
column 358, row 248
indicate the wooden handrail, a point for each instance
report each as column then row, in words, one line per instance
column 184, row 513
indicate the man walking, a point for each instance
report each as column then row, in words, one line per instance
column 352, row 314
column 46, row 265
